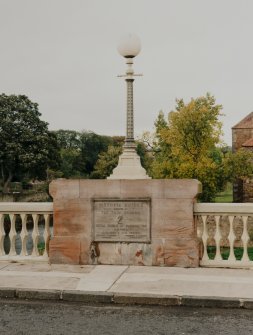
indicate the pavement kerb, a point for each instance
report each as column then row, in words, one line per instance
column 7, row 292
column 30, row 294
column 215, row 302
column 123, row 298
column 87, row 296
column 146, row 299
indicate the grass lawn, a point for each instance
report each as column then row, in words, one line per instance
column 225, row 252
column 226, row 196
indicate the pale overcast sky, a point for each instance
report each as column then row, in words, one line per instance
column 63, row 55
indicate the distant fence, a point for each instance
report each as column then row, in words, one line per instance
column 226, row 234
column 25, row 230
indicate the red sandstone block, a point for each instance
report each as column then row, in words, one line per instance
column 171, row 228
column 175, row 252
column 90, row 189
column 163, row 209
column 173, row 234
column 85, row 251
column 64, row 188
column 64, row 250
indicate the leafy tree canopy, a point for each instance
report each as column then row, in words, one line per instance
column 26, row 146
column 106, row 162
column 80, row 151
column 186, row 146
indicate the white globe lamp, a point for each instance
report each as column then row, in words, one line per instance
column 129, row 45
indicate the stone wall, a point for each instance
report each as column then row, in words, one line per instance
column 241, row 133
column 240, row 136
column 247, row 190
column 173, row 240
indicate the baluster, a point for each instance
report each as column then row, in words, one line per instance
column 13, row 235
column 217, row 238
column 245, row 239
column 35, row 234
column 205, row 238
column 24, row 235
column 231, row 238
column 46, row 234
column 2, row 235
column 198, row 225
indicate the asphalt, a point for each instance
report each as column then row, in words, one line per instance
column 167, row 286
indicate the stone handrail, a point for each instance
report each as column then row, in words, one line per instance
column 224, row 230
column 25, row 230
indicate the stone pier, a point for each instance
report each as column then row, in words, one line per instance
column 125, row 222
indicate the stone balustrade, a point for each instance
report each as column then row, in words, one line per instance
column 224, row 230
column 25, row 230
column 226, row 234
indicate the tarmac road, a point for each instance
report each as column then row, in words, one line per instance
column 54, row 318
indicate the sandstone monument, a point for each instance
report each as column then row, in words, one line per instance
column 128, row 218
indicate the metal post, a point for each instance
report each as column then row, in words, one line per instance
column 129, row 140
column 129, row 165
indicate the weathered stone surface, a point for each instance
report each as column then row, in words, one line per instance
column 90, row 189
column 69, row 217
column 247, row 303
column 183, row 252
column 147, row 299
column 93, row 297
column 6, row 292
column 173, row 235
column 38, row 294
column 119, row 220
column 214, row 302
column 242, row 137
column 69, row 188
column 125, row 253
column 65, row 249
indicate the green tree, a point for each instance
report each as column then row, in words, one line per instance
column 145, row 153
column 80, row 150
column 238, row 165
column 26, row 146
column 92, row 145
column 194, row 128
column 186, row 143
column 72, row 163
column 106, row 162
column 68, row 139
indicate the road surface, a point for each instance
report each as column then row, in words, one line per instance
column 54, row 318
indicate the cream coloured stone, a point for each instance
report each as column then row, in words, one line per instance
column 233, row 208
column 26, row 207
column 101, row 278
column 129, row 166
column 186, row 282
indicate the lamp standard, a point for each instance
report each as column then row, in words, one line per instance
column 129, row 166
column 129, row 47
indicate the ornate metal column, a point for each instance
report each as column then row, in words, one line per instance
column 129, row 165
column 129, row 141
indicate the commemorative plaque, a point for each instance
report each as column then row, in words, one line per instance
column 124, row 220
